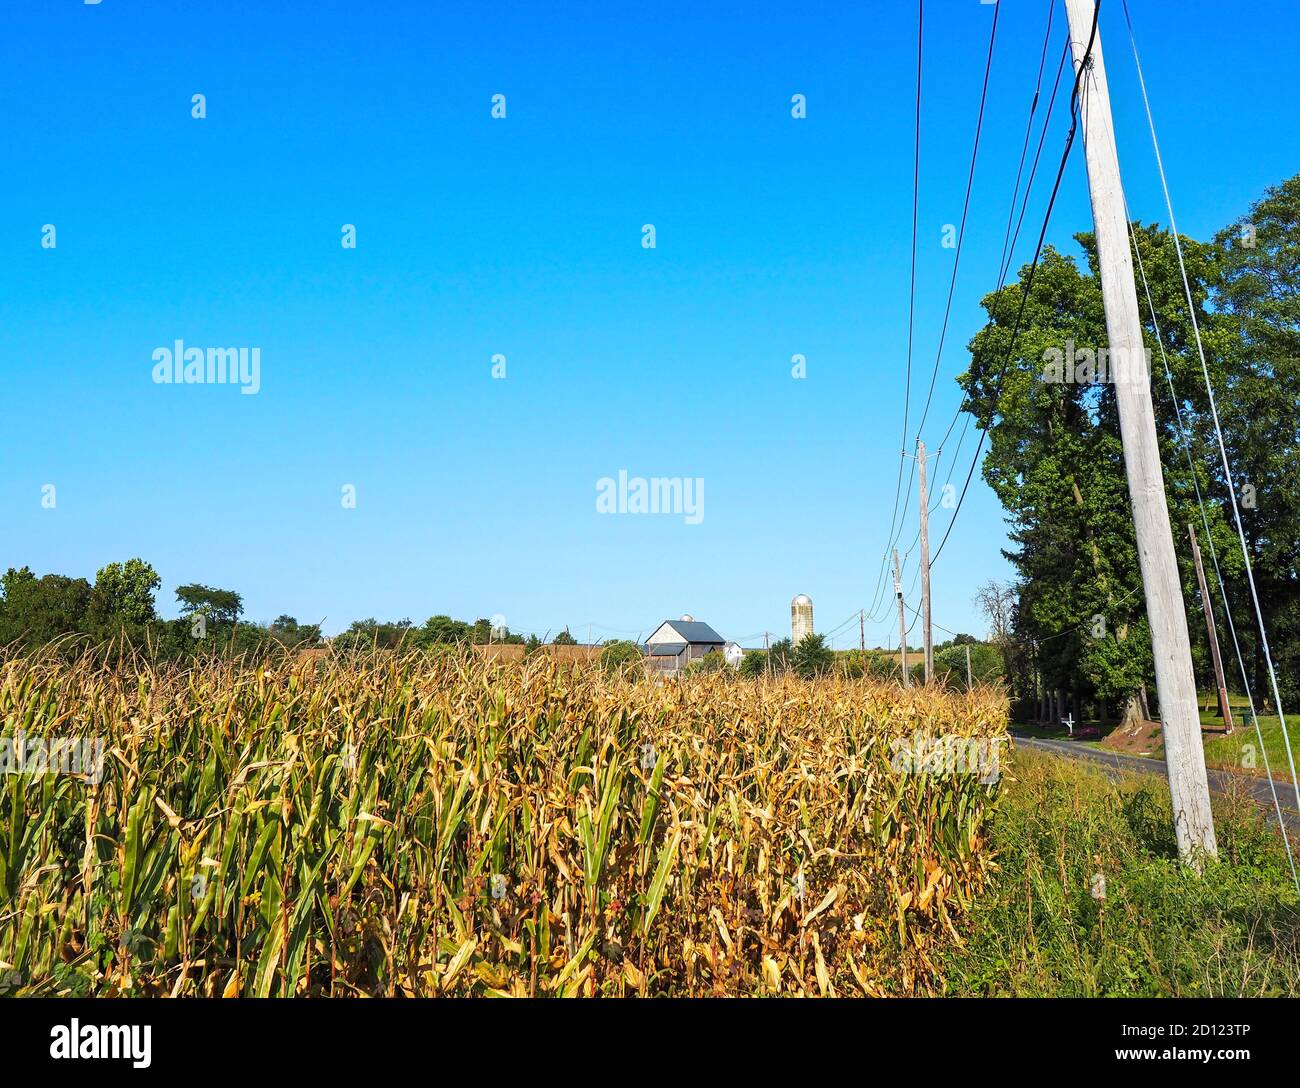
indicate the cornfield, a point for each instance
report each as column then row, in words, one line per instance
column 415, row 824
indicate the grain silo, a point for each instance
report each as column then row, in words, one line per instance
column 801, row 618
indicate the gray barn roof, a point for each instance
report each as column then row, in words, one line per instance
column 695, row 632
column 667, row 649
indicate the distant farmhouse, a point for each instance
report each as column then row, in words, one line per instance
column 676, row 643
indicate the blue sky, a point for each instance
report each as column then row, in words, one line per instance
column 522, row 237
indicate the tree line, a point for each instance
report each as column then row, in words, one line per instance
column 1072, row 624
column 812, row 657
column 119, row 609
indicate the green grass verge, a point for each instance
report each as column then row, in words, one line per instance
column 1038, row 931
column 1059, row 732
column 1240, row 749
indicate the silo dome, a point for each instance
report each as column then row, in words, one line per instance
column 801, row 618
column 688, row 618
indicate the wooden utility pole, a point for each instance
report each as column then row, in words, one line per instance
column 902, row 621
column 926, row 634
column 1179, row 713
column 862, row 630
column 1211, row 632
column 968, row 680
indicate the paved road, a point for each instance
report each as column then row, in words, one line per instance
column 1220, row 781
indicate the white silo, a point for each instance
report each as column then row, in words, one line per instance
column 801, row 618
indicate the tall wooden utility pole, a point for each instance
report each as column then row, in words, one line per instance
column 902, row 621
column 1179, row 715
column 1211, row 632
column 925, row 566
column 968, row 680
column 862, row 630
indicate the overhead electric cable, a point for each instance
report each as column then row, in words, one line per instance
column 961, row 231
column 1214, row 412
column 1033, row 268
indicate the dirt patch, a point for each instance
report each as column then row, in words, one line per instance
column 1139, row 738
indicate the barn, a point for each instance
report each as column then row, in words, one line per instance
column 676, row 643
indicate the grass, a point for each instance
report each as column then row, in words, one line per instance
column 1064, row 831
column 1059, row 732
column 1240, row 750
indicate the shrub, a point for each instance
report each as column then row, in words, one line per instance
column 621, row 655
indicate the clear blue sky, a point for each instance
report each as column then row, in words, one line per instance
column 523, row 237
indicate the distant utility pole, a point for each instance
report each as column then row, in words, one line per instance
column 925, row 566
column 767, row 655
column 862, row 630
column 902, row 621
column 968, row 682
column 1179, row 713
column 1211, row 632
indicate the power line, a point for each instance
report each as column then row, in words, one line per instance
column 880, row 601
column 961, row 232
column 911, row 304
column 1185, row 437
column 1214, row 410
column 1033, row 268
column 841, row 627
column 916, row 199
column 1033, row 642
column 1008, row 239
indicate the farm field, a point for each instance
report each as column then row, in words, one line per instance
column 419, row 825
column 423, row 824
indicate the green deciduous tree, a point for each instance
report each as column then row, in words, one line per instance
column 812, row 657
column 220, row 607
column 1254, row 356
column 370, row 633
column 985, row 663
column 443, row 631
column 38, row 610
column 620, row 656
column 1055, row 459
column 289, row 632
column 122, row 600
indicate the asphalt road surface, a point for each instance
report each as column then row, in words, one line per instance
column 1220, row 781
